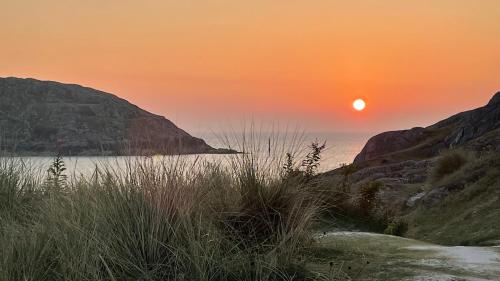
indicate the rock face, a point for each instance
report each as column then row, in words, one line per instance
column 45, row 117
column 389, row 142
column 478, row 129
column 470, row 127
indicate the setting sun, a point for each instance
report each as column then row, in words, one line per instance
column 123, row 126
column 359, row 104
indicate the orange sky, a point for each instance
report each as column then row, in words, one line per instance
column 209, row 64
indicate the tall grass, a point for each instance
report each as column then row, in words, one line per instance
column 156, row 220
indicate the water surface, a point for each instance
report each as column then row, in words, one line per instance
column 340, row 148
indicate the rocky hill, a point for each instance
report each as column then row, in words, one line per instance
column 476, row 129
column 45, row 117
column 460, row 207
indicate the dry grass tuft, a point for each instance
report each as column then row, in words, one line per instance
column 448, row 163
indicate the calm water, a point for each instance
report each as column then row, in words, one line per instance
column 340, row 148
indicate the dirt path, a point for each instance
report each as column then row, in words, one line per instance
column 371, row 256
column 477, row 261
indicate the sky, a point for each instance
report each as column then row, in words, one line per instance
column 211, row 65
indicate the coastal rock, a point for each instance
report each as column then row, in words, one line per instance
column 388, row 142
column 410, row 171
column 45, row 117
column 467, row 126
column 477, row 129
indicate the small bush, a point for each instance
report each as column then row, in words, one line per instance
column 56, row 178
column 347, row 171
column 397, row 228
column 368, row 198
column 448, row 163
column 312, row 159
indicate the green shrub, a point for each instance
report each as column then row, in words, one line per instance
column 368, row 198
column 397, row 228
column 347, row 170
column 56, row 178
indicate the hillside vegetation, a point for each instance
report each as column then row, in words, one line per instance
column 469, row 212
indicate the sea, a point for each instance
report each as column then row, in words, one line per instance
column 340, row 148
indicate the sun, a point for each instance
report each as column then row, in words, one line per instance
column 359, row 104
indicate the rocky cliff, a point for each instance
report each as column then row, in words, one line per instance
column 45, row 117
column 476, row 129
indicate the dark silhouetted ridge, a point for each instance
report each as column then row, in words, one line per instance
column 46, row 117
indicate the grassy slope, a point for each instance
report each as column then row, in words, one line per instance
column 369, row 256
column 465, row 217
column 359, row 257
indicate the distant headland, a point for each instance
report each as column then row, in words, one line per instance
column 47, row 118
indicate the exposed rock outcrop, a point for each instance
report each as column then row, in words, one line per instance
column 389, row 142
column 476, row 129
column 45, row 117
